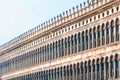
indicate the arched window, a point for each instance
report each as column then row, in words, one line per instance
column 98, row 35
column 85, row 67
column 107, row 33
column 78, row 71
column 93, row 65
column 81, row 71
column 86, row 42
column 98, row 69
column 102, row 68
column 43, row 54
column 56, row 49
column 79, row 42
column 51, row 51
column 107, row 68
column 116, row 66
column 68, row 71
column 103, row 34
column 47, row 54
column 90, row 34
column 94, row 37
column 117, row 29
column 62, row 45
column 75, row 46
column 65, row 46
column 72, row 44
column 68, row 45
column 111, row 67
column 74, row 69
column 112, row 31
column 40, row 54
column 83, row 41
column 59, row 48
column 89, row 70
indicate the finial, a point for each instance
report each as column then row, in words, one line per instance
column 54, row 19
column 80, row 5
column 73, row 9
column 70, row 11
column 88, row 2
column 66, row 12
column 77, row 7
column 84, row 4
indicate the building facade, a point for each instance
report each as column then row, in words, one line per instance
column 82, row 43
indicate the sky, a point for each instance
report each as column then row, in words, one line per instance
column 19, row 16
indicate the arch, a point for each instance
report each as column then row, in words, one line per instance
column 90, row 34
column 112, row 23
column 83, row 37
column 116, row 66
column 103, row 34
column 117, row 21
column 94, row 37
column 86, row 39
column 98, row 35
column 107, row 32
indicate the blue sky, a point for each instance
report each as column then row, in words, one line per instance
column 18, row 16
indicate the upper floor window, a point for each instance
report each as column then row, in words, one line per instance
column 107, row 12
column 112, row 10
column 117, row 8
column 103, row 14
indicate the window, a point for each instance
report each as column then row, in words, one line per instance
column 69, row 28
column 103, row 14
column 117, row 8
column 63, row 31
column 76, row 26
column 79, row 24
column 90, row 19
column 72, row 27
column 86, row 21
column 112, row 10
column 95, row 18
column 107, row 12
column 59, row 32
column 83, row 23
column 98, row 16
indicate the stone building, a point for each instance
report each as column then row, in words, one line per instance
column 82, row 43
